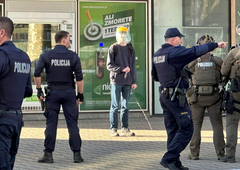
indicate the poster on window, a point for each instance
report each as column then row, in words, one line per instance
column 98, row 21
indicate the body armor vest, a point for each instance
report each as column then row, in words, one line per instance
column 235, row 77
column 206, row 73
column 60, row 68
column 12, row 93
column 235, row 71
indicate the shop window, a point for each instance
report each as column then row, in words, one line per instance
column 207, row 17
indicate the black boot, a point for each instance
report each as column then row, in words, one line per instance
column 77, row 157
column 47, row 158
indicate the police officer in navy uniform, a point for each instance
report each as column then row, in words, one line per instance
column 169, row 69
column 61, row 66
column 15, row 84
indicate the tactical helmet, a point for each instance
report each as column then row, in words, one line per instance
column 123, row 35
column 205, row 39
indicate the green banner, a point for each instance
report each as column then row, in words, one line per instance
column 97, row 30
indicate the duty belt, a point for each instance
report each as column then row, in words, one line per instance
column 168, row 92
column 60, row 86
column 17, row 112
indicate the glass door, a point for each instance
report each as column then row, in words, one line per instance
column 34, row 33
column 34, row 39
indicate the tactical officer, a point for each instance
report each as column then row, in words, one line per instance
column 204, row 94
column 15, row 84
column 168, row 68
column 230, row 68
column 60, row 63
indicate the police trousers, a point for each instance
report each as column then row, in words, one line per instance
column 212, row 104
column 179, row 127
column 66, row 98
column 232, row 121
column 10, row 130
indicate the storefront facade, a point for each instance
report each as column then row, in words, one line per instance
column 36, row 22
column 194, row 18
column 90, row 23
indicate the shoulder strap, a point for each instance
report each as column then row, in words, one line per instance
column 130, row 48
column 237, row 56
column 115, row 49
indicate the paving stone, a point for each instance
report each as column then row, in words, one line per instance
column 103, row 152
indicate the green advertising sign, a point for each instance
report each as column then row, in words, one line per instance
column 98, row 24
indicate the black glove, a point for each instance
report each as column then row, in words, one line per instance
column 80, row 97
column 39, row 92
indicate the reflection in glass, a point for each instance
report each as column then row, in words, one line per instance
column 208, row 16
column 35, row 39
column 1, row 9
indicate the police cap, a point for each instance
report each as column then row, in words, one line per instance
column 173, row 32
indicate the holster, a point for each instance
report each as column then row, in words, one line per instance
column 167, row 92
column 47, row 90
column 181, row 94
column 227, row 104
column 181, row 100
column 191, row 95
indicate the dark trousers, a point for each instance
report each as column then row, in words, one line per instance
column 10, row 129
column 66, row 98
column 179, row 127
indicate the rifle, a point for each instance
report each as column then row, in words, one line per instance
column 186, row 72
column 176, row 89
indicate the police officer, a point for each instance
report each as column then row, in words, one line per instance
column 15, row 84
column 204, row 94
column 168, row 68
column 60, row 64
column 230, row 68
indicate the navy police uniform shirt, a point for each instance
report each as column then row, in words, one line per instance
column 168, row 61
column 60, row 63
column 15, row 76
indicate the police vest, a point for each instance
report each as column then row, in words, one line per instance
column 206, row 73
column 167, row 75
column 13, row 84
column 235, row 71
column 60, row 68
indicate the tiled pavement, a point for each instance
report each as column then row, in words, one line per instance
column 102, row 152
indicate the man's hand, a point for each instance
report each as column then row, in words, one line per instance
column 222, row 44
column 80, row 97
column 134, row 86
column 127, row 69
column 40, row 94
